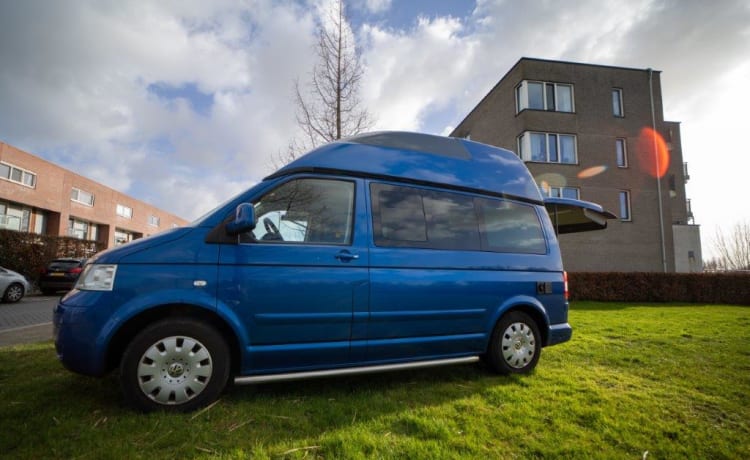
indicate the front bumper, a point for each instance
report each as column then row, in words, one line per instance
column 76, row 341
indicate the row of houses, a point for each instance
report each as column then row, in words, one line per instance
column 39, row 197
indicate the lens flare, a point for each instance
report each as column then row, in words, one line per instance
column 591, row 172
column 653, row 154
column 548, row 180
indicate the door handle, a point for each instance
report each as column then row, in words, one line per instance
column 346, row 256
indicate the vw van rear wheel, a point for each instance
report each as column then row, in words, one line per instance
column 515, row 344
column 174, row 365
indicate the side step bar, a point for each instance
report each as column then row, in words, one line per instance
column 248, row 380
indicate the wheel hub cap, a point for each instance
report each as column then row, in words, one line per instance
column 518, row 345
column 174, row 370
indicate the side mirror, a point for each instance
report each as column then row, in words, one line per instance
column 244, row 220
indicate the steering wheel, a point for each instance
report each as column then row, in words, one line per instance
column 271, row 229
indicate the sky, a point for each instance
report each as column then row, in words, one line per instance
column 184, row 103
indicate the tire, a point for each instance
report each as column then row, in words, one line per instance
column 13, row 293
column 515, row 345
column 174, row 365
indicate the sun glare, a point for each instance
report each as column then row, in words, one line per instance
column 591, row 172
column 655, row 163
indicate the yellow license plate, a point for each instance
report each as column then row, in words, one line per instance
column 57, row 274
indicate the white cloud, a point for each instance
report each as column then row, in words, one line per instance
column 75, row 78
column 411, row 72
column 378, row 6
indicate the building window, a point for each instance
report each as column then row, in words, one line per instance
column 622, row 153
column 79, row 196
column 548, row 148
column 153, row 221
column 538, row 95
column 124, row 211
column 123, row 236
column 78, row 229
column 17, row 175
column 14, row 218
column 561, row 192
column 617, row 109
column 625, row 206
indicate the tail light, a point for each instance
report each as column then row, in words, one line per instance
column 566, row 292
column 77, row 270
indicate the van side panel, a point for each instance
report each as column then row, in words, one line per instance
column 429, row 302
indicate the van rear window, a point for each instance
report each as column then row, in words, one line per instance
column 510, row 227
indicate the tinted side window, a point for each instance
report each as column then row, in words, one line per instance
column 451, row 221
column 315, row 211
column 412, row 217
column 511, row 227
column 401, row 215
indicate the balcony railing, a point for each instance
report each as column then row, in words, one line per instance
column 689, row 207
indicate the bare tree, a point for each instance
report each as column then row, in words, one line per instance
column 329, row 106
column 733, row 249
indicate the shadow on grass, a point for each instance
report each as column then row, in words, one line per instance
column 47, row 406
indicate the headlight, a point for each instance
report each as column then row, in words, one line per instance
column 97, row 277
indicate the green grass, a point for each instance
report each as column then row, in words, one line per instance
column 668, row 379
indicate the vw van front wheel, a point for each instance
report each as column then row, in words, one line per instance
column 174, row 365
column 515, row 344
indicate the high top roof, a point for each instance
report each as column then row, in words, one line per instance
column 425, row 159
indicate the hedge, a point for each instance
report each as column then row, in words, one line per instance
column 27, row 253
column 724, row 288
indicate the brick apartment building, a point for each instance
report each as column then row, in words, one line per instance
column 37, row 196
column 582, row 131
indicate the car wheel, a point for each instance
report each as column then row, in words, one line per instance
column 175, row 365
column 515, row 344
column 13, row 293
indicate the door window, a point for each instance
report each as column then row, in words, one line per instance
column 312, row 211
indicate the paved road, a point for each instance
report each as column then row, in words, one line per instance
column 29, row 320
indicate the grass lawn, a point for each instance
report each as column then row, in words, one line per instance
column 670, row 380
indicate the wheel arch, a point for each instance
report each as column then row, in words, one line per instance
column 531, row 307
column 127, row 331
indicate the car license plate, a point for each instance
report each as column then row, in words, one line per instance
column 57, row 274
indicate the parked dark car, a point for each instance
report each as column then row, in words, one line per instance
column 13, row 286
column 60, row 275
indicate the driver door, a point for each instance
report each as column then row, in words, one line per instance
column 294, row 280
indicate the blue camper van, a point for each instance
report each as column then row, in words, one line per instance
column 380, row 252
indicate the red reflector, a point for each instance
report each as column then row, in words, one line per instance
column 75, row 270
